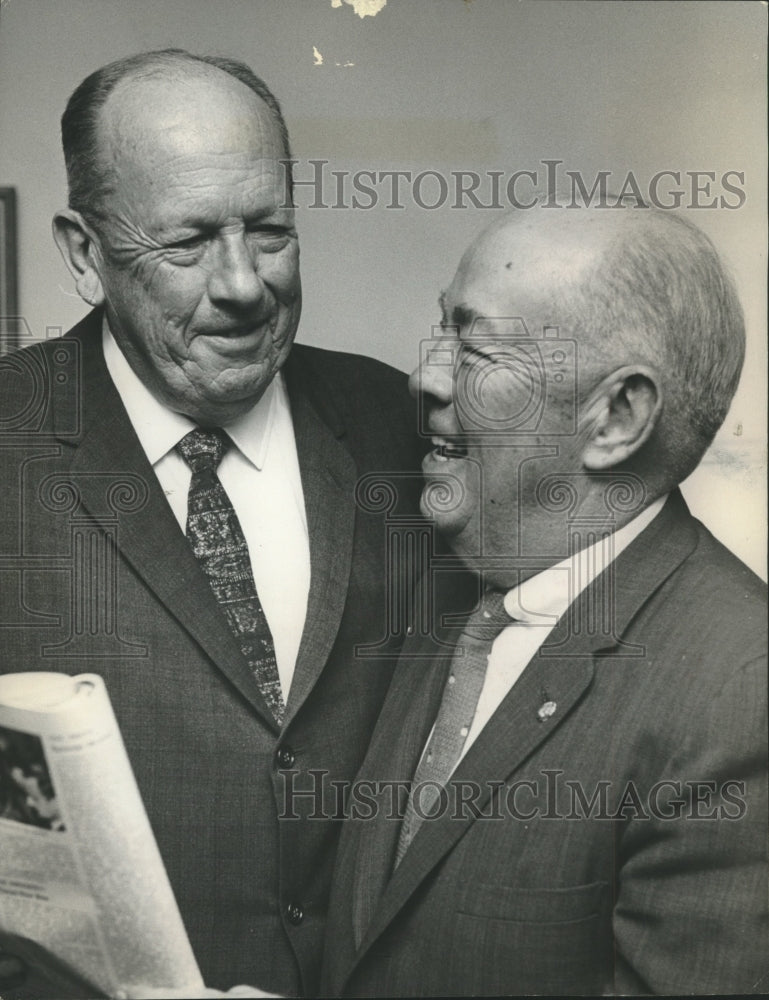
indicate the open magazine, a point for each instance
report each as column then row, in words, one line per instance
column 80, row 872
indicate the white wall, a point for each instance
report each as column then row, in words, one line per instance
column 442, row 85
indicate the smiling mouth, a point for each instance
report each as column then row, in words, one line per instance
column 443, row 449
column 238, row 332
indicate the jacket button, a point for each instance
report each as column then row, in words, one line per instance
column 295, row 914
column 286, row 756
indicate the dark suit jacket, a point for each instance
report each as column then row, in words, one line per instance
column 209, row 760
column 537, row 891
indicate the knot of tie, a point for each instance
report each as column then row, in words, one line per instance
column 203, row 450
column 488, row 620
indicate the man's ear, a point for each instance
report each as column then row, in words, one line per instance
column 622, row 413
column 78, row 247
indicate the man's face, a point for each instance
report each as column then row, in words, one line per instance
column 198, row 258
column 481, row 380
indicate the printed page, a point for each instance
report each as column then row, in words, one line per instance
column 80, row 872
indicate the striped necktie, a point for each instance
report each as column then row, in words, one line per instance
column 219, row 545
column 455, row 715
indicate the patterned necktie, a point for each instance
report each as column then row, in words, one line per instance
column 455, row 716
column 217, row 539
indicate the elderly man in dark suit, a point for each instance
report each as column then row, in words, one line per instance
column 566, row 790
column 179, row 406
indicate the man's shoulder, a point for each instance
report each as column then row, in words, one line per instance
column 41, row 384
column 717, row 603
column 55, row 356
column 343, row 367
column 368, row 396
column 738, row 593
column 718, row 573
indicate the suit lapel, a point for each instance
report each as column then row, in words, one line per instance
column 328, row 475
column 411, row 711
column 509, row 737
column 400, row 737
column 148, row 535
column 561, row 674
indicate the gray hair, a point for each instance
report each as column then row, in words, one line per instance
column 661, row 294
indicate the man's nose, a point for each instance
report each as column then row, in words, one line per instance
column 434, row 376
column 234, row 278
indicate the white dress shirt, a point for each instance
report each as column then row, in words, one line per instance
column 537, row 604
column 260, row 476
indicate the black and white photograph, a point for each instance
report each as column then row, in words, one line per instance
column 383, row 420
column 27, row 794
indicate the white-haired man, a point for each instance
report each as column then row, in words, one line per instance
column 582, row 762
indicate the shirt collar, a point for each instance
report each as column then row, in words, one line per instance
column 160, row 429
column 542, row 599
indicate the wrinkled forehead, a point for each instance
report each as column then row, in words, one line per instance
column 185, row 149
column 157, row 120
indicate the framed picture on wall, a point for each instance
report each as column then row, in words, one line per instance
column 8, row 286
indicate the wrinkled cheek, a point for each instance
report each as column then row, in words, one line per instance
column 491, row 400
column 285, row 330
column 153, row 277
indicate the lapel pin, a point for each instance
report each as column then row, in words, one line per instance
column 546, row 710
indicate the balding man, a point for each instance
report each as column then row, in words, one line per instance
column 174, row 408
column 566, row 793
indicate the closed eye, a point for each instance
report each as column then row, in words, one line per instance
column 470, row 353
column 187, row 252
column 269, row 230
column 188, row 242
column 481, row 359
column 269, row 239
